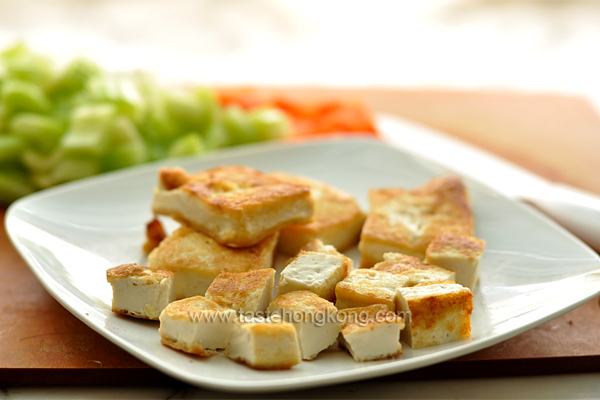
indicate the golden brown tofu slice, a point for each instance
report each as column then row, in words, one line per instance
column 406, row 221
column 235, row 205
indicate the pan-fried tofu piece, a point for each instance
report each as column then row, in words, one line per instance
column 316, row 272
column 371, row 333
column 264, row 344
column 196, row 325
column 457, row 253
column 155, row 233
column 197, row 259
column 337, row 218
column 246, row 292
column 235, row 205
column 435, row 314
column 363, row 287
column 313, row 317
column 416, row 270
column 406, row 221
column 317, row 246
column 140, row 292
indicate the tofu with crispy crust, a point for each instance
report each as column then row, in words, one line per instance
column 416, row 270
column 337, row 218
column 457, row 253
column 435, row 314
column 264, row 344
column 197, row 259
column 245, row 292
column 363, row 287
column 313, row 317
column 314, row 271
column 406, row 221
column 371, row 333
column 196, row 325
column 140, row 292
column 235, row 205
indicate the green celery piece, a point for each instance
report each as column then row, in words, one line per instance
column 71, row 168
column 10, row 148
column 18, row 49
column 41, row 131
column 31, row 68
column 215, row 136
column 42, row 180
column 19, row 95
column 118, row 90
column 188, row 144
column 210, row 104
column 238, row 126
column 21, row 63
column 269, row 123
column 188, row 110
column 90, row 130
column 125, row 131
column 128, row 147
column 13, row 184
column 74, row 77
column 125, row 154
column 157, row 127
column 40, row 163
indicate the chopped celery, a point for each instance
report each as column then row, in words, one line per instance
column 128, row 147
column 188, row 109
column 125, row 154
column 186, row 145
column 238, row 126
column 19, row 95
column 90, row 130
column 269, row 123
column 215, row 137
column 70, row 168
column 41, row 163
column 22, row 64
column 41, row 131
column 13, row 184
column 117, row 90
column 10, row 148
column 74, row 77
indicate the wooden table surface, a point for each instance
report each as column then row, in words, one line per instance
column 556, row 136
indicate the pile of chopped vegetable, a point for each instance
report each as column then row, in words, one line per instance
column 57, row 125
column 61, row 125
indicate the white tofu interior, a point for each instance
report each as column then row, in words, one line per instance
column 465, row 269
column 374, row 342
column 317, row 272
column 134, row 295
column 207, row 329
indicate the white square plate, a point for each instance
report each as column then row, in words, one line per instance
column 532, row 269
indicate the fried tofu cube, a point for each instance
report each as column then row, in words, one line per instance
column 197, row 259
column 371, row 333
column 140, row 292
column 457, row 253
column 196, row 325
column 316, row 272
column 337, row 218
column 413, row 268
column 363, row 287
column 264, row 344
column 406, row 221
column 313, row 317
column 246, row 292
column 235, row 205
column 435, row 314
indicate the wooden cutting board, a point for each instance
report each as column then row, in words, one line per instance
column 557, row 137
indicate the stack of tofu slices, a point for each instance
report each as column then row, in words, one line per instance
column 211, row 282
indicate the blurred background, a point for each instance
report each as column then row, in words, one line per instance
column 526, row 45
